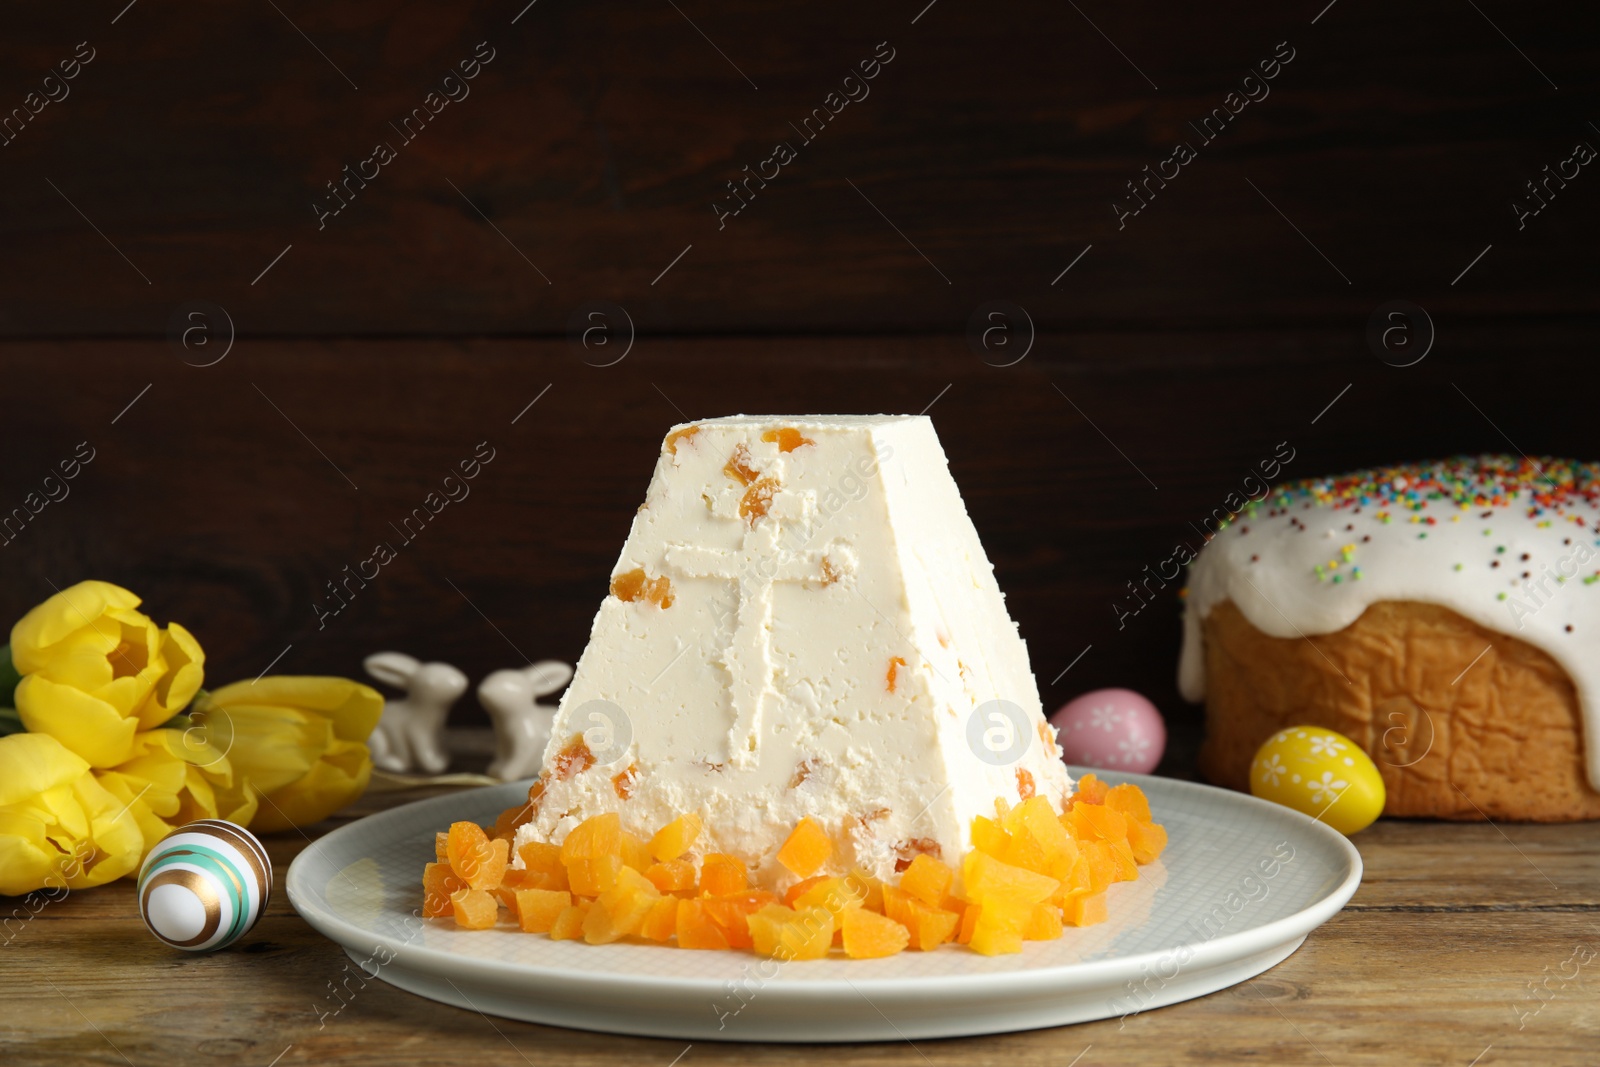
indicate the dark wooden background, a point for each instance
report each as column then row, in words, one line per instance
column 377, row 351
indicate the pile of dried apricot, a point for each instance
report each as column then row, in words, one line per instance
column 1030, row 873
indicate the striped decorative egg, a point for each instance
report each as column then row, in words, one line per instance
column 204, row 885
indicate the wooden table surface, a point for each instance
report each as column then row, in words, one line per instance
column 1466, row 944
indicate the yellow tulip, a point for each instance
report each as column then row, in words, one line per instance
column 300, row 741
column 58, row 825
column 96, row 671
column 176, row 777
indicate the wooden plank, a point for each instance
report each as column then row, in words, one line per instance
column 1370, row 987
column 588, row 155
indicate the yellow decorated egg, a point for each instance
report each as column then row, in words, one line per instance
column 1320, row 773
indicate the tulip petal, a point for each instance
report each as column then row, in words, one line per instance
column 353, row 708
column 61, row 615
column 337, row 779
column 83, row 723
column 185, row 672
column 32, row 763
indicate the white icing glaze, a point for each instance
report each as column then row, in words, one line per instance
column 1515, row 553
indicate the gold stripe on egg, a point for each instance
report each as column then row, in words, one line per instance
column 201, row 888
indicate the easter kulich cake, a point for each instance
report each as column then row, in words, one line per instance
column 1443, row 615
column 803, row 718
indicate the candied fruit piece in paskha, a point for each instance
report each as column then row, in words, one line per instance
column 807, row 848
column 837, row 895
column 722, row 875
column 868, row 935
column 538, row 909
column 675, row 838
column 1098, row 822
column 474, row 909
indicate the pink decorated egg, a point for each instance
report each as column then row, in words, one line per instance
column 1113, row 729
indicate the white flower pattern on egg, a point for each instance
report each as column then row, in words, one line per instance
column 1326, row 745
column 1326, row 790
column 1106, row 717
column 1272, row 770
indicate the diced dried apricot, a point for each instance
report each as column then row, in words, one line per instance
column 467, row 848
column 635, row 853
column 738, row 466
column 969, row 923
column 675, row 876
column 538, row 909
column 441, row 852
column 1102, row 865
column 868, row 935
column 574, row 758
column 596, row 836
column 1127, row 866
column 786, row 934
column 837, row 895
column 989, row 836
column 807, row 849
column 540, row 856
column 1130, row 800
column 569, row 924
column 623, row 781
column 928, row 880
column 929, row 927
column 1091, row 790
column 1147, row 840
column 1025, row 786
column 1085, row 910
column 695, row 929
column 989, row 881
column 675, row 838
column 722, row 875
column 794, row 892
column 590, row 878
column 1043, row 925
column 439, row 881
column 1099, row 822
column 662, row 922
column 512, row 819
column 475, row 909
column 730, row 914
column 999, row 927
column 620, row 910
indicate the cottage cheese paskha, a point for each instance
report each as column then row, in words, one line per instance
column 801, row 623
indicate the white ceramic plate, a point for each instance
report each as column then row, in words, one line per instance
column 1240, row 886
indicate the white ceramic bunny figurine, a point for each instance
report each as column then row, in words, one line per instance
column 521, row 723
column 410, row 735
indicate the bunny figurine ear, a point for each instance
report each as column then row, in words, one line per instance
column 548, row 676
column 394, row 668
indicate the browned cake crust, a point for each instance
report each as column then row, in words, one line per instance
column 1501, row 738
